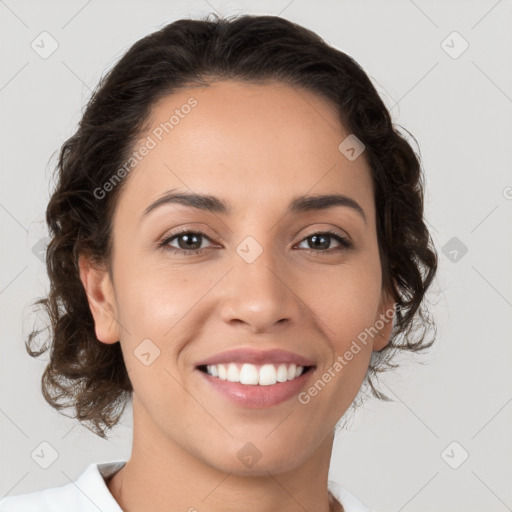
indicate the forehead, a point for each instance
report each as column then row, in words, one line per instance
column 253, row 144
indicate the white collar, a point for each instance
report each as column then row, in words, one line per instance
column 90, row 493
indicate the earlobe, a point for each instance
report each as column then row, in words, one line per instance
column 100, row 295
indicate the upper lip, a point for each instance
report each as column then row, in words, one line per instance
column 253, row 356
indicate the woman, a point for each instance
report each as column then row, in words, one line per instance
column 238, row 245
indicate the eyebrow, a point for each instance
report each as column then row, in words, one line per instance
column 214, row 204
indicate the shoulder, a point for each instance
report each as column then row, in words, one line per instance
column 87, row 493
column 53, row 499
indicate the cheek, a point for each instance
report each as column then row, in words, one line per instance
column 356, row 311
column 150, row 297
column 152, row 310
column 346, row 299
column 161, row 305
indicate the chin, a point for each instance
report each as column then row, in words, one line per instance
column 262, row 467
column 251, row 459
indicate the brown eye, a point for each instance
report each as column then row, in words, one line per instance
column 320, row 242
column 189, row 242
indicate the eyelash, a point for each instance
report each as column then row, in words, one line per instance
column 345, row 243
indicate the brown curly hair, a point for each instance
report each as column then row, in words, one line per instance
column 91, row 376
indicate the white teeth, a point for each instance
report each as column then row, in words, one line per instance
column 222, row 372
column 267, row 375
column 233, row 374
column 282, row 373
column 250, row 374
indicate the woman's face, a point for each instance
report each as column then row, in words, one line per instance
column 266, row 277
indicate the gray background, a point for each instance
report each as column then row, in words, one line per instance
column 459, row 109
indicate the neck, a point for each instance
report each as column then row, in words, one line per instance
column 161, row 476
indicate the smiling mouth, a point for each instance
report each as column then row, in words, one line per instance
column 255, row 375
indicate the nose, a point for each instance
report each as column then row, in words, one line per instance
column 259, row 294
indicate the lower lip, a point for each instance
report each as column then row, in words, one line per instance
column 256, row 396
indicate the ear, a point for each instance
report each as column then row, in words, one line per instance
column 384, row 321
column 100, row 295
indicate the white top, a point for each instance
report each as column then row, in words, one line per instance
column 89, row 493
